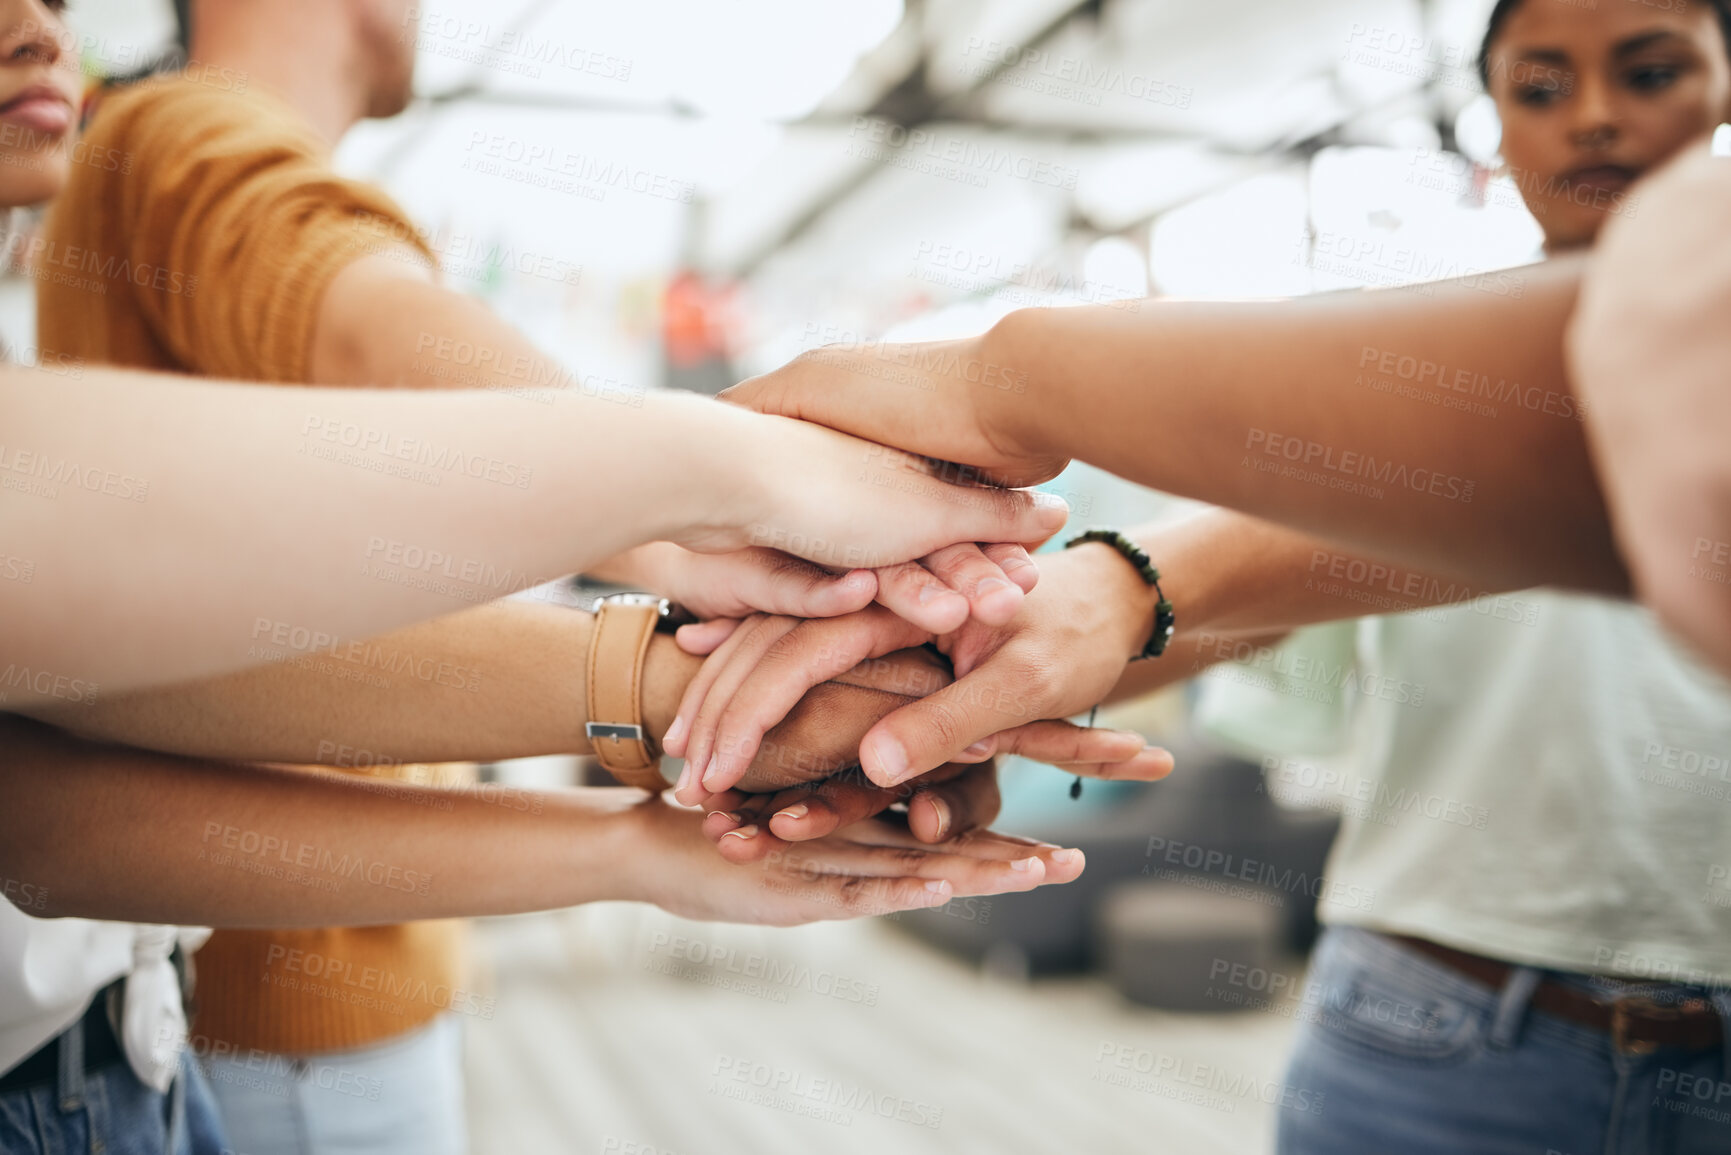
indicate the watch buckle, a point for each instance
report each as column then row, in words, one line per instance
column 618, row 731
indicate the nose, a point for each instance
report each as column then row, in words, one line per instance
column 1593, row 125
column 29, row 34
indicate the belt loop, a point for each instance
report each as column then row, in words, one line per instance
column 70, row 1088
column 1512, row 1007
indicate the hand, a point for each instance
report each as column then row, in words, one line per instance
column 1061, row 655
column 851, row 504
column 868, row 868
column 951, row 802
column 950, row 400
column 805, row 777
column 938, row 592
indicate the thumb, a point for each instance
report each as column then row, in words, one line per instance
column 944, row 726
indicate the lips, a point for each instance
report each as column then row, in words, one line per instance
column 41, row 108
column 1610, row 177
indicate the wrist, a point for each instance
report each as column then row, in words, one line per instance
column 667, row 671
column 728, row 485
column 1115, row 585
column 1029, row 415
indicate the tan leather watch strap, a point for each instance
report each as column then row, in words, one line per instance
column 617, row 647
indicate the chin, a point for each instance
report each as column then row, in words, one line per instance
column 29, row 178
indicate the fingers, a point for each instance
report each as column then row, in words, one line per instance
column 1119, row 755
column 704, row 638
column 1017, row 565
column 997, row 515
column 914, row 593
column 715, row 765
column 769, row 581
column 967, row 874
column 759, row 680
column 1062, row 864
column 941, row 727
column 992, row 597
column 960, row 805
column 677, row 740
column 940, row 592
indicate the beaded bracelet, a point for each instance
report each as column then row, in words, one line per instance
column 1165, row 619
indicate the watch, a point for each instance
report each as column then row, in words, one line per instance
column 624, row 623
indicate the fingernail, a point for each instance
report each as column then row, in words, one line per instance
column 799, row 810
column 710, row 773
column 1015, row 561
column 860, row 578
column 1049, row 501
column 942, row 809
column 675, row 733
column 891, row 759
column 980, row 749
column 1023, row 864
column 931, row 593
column 1066, row 857
column 684, row 780
column 991, row 586
column 744, row 833
column 938, row 886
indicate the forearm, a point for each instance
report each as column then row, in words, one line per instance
column 381, row 509
column 236, row 846
column 1226, row 402
column 504, row 680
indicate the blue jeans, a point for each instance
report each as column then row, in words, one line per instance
column 401, row 1097
column 112, row 1112
column 1404, row 1054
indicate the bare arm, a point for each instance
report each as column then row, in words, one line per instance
column 162, row 518
column 1651, row 351
column 243, row 847
column 1277, row 409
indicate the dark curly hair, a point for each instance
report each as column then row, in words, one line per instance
column 1505, row 8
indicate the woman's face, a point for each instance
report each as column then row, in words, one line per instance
column 39, row 91
column 1594, row 95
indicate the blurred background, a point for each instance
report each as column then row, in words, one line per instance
column 687, row 192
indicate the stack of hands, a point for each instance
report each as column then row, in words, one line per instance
column 867, row 707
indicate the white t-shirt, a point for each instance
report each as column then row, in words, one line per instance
column 51, row 968
column 1546, row 782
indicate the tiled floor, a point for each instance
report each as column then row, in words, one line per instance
column 619, row 1029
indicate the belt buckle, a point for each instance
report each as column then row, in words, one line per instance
column 1623, row 1016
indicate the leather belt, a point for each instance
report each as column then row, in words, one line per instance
column 1637, row 1025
